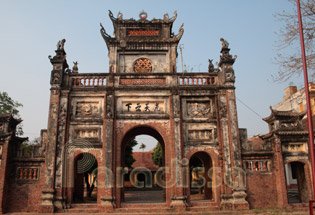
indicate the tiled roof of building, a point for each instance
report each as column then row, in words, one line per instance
column 144, row 159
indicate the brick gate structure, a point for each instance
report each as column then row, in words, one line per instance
column 92, row 116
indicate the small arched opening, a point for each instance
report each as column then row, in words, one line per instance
column 85, row 178
column 200, row 166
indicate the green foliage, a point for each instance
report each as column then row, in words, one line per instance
column 142, row 146
column 129, row 160
column 8, row 105
column 26, row 148
column 157, row 155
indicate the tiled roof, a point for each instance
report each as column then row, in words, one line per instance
column 144, row 159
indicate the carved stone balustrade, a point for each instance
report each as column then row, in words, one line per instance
column 89, row 80
column 193, row 80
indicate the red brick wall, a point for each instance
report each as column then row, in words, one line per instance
column 25, row 196
column 261, row 190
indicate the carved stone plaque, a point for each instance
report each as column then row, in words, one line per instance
column 201, row 134
column 87, row 133
column 144, row 107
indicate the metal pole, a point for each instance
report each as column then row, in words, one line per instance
column 181, row 55
column 307, row 94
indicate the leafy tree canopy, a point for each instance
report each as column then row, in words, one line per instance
column 8, row 105
column 157, row 155
column 129, row 160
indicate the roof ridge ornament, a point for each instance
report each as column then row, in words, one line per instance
column 180, row 32
column 120, row 16
column 111, row 16
column 174, row 17
column 61, row 44
column 143, row 15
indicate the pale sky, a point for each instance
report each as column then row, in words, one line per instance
column 31, row 29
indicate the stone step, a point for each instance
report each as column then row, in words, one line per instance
column 84, row 205
column 143, row 205
column 203, row 208
column 204, row 203
column 154, row 210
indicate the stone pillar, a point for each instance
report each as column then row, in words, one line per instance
column 281, row 183
column 178, row 201
column 59, row 63
column 234, row 194
column 107, row 200
column 62, row 151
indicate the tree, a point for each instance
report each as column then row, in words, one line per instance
column 157, row 155
column 8, row 105
column 289, row 56
column 129, row 160
column 142, row 146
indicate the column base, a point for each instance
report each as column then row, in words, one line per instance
column 179, row 203
column 239, row 202
column 47, row 205
column 107, row 204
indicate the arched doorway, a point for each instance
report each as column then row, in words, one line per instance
column 85, row 178
column 200, row 182
column 296, row 183
column 141, row 182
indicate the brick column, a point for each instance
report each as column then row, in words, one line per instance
column 107, row 199
column 178, row 201
column 59, row 63
column 233, row 196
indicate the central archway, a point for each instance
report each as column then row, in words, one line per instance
column 141, row 184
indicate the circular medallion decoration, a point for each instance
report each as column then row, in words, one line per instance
column 143, row 15
column 143, row 65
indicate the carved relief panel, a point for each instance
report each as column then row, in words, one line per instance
column 87, row 108
column 199, row 109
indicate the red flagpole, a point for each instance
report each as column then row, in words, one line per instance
column 309, row 109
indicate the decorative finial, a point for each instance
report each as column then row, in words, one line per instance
column 211, row 66
column 60, row 44
column 166, row 17
column 75, row 68
column 180, row 33
column 119, row 16
column 174, row 17
column 224, row 43
column 143, row 15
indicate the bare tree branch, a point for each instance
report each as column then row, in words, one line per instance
column 289, row 52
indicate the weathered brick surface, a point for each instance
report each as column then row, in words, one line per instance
column 24, row 195
column 261, row 190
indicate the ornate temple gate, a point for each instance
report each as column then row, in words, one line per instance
column 143, row 94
